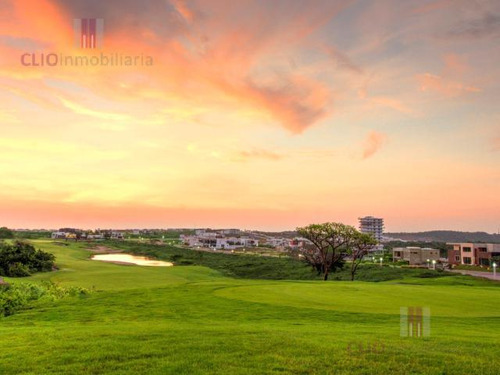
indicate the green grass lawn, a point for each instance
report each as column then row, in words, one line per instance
column 197, row 320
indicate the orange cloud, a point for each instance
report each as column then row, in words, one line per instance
column 184, row 10
column 373, row 143
column 220, row 59
column 41, row 20
column 297, row 106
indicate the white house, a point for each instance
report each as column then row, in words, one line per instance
column 59, row 235
column 218, row 241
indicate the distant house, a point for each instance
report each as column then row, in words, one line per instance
column 58, row 235
column 230, row 231
column 232, row 243
column 277, row 242
column 117, row 235
column 69, row 234
column 298, row 243
column 95, row 237
column 415, row 255
column 475, row 254
column 218, row 241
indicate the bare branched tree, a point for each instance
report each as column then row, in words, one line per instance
column 359, row 246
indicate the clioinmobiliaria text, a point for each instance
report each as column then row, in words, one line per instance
column 59, row 59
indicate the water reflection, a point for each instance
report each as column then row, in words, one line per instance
column 131, row 259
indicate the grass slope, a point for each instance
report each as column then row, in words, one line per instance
column 269, row 268
column 192, row 319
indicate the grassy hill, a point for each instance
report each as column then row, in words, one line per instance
column 196, row 320
column 447, row 236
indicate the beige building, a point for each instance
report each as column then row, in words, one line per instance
column 415, row 255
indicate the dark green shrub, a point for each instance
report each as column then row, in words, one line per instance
column 15, row 297
column 18, row 270
column 22, row 259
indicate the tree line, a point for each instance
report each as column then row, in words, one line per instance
column 6, row 233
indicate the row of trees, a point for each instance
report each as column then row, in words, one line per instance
column 332, row 243
column 22, row 259
column 6, row 233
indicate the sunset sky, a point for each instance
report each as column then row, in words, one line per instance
column 254, row 114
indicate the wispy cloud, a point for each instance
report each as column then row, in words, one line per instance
column 82, row 110
column 443, row 86
column 342, row 61
column 392, row 103
column 258, row 153
column 432, row 6
column 486, row 25
column 372, row 144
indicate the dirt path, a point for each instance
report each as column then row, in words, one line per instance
column 487, row 275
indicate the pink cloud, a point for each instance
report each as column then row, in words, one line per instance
column 184, row 10
column 207, row 54
column 372, row 144
column 446, row 87
column 449, row 82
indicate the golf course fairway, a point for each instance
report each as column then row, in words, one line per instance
column 194, row 320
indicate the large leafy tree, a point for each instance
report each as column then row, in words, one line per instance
column 329, row 245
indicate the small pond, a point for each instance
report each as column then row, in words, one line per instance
column 130, row 259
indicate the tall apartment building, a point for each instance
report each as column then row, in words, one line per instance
column 476, row 254
column 372, row 225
